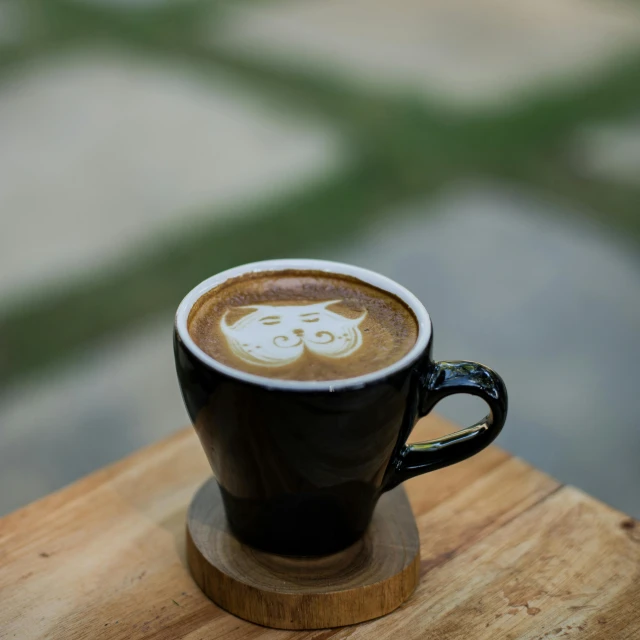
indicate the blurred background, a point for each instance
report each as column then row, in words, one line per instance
column 484, row 153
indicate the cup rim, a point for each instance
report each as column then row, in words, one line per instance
column 326, row 266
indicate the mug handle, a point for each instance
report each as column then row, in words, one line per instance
column 444, row 379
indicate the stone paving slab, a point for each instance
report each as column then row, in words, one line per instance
column 101, row 153
column 473, row 52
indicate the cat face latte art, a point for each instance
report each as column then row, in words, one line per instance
column 302, row 326
column 273, row 336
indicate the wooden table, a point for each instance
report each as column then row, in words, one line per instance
column 507, row 552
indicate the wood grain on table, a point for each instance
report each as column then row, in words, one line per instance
column 507, row 552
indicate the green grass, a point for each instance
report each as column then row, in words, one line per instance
column 403, row 148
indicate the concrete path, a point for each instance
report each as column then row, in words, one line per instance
column 471, row 52
column 102, row 154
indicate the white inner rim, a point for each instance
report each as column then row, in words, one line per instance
column 370, row 277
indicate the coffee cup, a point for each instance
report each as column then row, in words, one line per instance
column 303, row 380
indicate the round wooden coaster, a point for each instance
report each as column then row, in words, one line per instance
column 369, row 579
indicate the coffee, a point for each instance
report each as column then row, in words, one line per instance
column 302, row 325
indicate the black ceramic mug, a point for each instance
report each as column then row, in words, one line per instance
column 301, row 465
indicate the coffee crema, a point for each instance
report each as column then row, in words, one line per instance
column 302, row 325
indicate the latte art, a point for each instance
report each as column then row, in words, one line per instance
column 273, row 336
column 302, row 325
